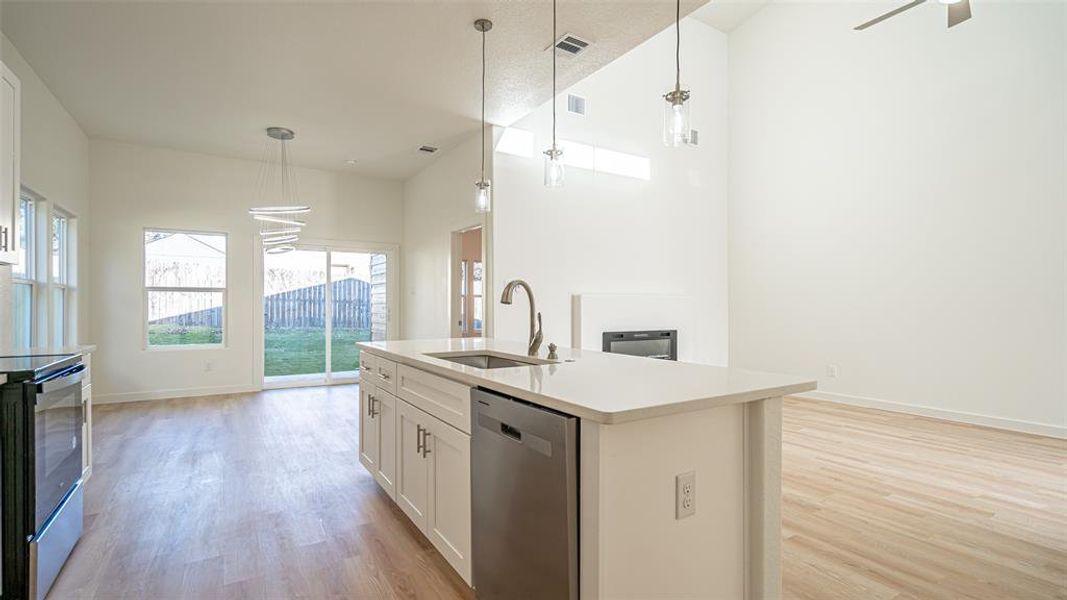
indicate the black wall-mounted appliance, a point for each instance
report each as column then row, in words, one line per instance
column 41, row 417
column 659, row 343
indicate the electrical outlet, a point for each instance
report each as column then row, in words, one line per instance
column 208, row 366
column 831, row 371
column 685, row 495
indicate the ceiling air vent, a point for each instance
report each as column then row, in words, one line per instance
column 571, row 45
column 428, row 149
column 575, row 104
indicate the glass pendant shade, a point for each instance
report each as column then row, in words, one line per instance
column 483, row 201
column 553, row 167
column 676, row 125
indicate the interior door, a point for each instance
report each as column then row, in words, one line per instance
column 411, row 467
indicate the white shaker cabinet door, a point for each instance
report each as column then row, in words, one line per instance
column 412, row 475
column 386, row 416
column 10, row 133
column 449, row 519
column 368, row 428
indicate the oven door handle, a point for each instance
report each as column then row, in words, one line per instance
column 59, row 381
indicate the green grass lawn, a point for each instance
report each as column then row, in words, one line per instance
column 173, row 335
column 287, row 351
column 303, row 351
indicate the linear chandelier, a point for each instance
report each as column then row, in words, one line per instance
column 277, row 196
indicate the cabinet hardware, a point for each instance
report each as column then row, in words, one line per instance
column 425, row 442
column 418, row 440
column 370, row 405
column 374, row 412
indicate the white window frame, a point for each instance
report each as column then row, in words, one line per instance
column 68, row 287
column 145, row 289
column 29, row 276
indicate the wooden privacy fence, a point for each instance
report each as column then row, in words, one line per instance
column 300, row 308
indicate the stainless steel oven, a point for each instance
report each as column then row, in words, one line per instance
column 41, row 417
column 58, row 418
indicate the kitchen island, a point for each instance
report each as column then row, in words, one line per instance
column 642, row 422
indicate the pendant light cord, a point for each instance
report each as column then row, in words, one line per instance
column 678, row 44
column 553, row 75
column 483, row 106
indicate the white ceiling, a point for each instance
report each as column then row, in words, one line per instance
column 369, row 81
column 726, row 15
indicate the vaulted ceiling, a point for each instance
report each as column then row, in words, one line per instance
column 369, row 81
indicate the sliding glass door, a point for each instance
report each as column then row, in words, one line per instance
column 317, row 303
column 294, row 316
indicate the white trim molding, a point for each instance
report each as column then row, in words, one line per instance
column 1044, row 429
column 173, row 393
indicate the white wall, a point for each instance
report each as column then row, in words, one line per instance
column 437, row 201
column 603, row 233
column 897, row 206
column 55, row 165
column 134, row 187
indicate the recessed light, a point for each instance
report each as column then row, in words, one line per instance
column 351, row 162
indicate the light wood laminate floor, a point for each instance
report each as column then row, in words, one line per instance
column 246, row 496
column 261, row 496
column 879, row 505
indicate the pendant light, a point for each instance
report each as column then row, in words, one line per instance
column 483, row 191
column 553, row 156
column 676, row 111
column 279, row 222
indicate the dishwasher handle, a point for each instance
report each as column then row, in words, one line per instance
column 510, row 431
column 515, row 435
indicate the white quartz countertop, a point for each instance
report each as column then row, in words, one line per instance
column 602, row 387
column 50, row 350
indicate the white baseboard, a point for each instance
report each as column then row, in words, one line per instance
column 175, row 393
column 940, row 413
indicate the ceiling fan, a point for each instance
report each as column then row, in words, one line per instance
column 958, row 12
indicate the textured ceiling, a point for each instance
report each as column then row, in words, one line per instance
column 369, row 81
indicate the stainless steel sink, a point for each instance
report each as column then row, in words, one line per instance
column 484, row 360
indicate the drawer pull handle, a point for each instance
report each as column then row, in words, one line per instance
column 418, row 440
column 425, row 442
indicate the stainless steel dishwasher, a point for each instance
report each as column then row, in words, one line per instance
column 524, row 490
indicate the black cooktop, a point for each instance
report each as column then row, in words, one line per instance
column 24, row 368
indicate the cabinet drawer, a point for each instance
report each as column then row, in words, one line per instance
column 385, row 374
column 366, row 363
column 442, row 398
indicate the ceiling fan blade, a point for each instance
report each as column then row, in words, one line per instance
column 892, row 13
column 959, row 12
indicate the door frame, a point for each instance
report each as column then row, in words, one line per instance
column 392, row 302
column 487, row 280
